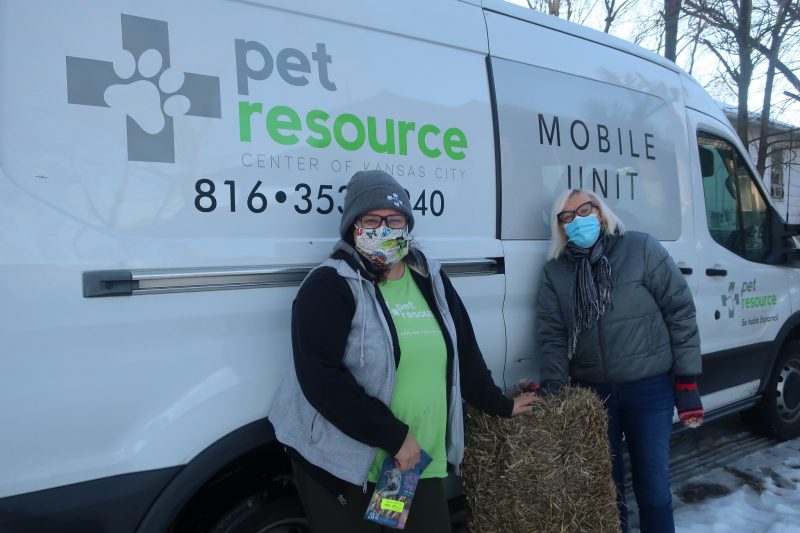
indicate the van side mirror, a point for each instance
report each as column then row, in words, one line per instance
column 706, row 162
column 790, row 252
column 784, row 249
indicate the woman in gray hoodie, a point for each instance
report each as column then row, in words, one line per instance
column 384, row 352
column 614, row 314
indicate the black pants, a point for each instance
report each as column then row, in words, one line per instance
column 326, row 514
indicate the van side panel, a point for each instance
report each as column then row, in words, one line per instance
column 573, row 113
column 607, row 123
column 184, row 141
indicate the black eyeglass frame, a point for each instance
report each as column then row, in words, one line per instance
column 382, row 221
column 575, row 212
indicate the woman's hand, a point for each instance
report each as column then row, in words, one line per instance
column 408, row 455
column 524, row 403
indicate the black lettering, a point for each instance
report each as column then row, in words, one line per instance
column 632, row 174
column 647, row 145
column 569, row 177
column 602, row 137
column 585, row 132
column 597, row 181
column 549, row 133
column 630, row 138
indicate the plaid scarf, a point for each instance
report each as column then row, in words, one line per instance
column 591, row 288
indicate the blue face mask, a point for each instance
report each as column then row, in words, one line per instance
column 583, row 231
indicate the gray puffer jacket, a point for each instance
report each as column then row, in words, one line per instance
column 649, row 330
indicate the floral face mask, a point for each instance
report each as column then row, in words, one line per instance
column 383, row 246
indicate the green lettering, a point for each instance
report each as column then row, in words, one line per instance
column 284, row 125
column 275, row 124
column 423, row 147
column 454, row 138
column 358, row 141
column 246, row 110
column 313, row 120
column 403, row 128
column 388, row 146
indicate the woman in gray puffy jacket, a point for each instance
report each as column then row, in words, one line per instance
column 614, row 314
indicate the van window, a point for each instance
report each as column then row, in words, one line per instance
column 736, row 210
column 559, row 131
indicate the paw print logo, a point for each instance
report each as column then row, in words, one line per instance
column 147, row 87
column 395, row 199
column 731, row 300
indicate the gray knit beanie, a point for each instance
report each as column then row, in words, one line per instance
column 369, row 190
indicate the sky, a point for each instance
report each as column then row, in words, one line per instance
column 706, row 67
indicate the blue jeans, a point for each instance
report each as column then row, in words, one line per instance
column 642, row 412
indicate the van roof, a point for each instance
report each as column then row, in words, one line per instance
column 555, row 23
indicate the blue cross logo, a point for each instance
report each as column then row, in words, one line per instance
column 89, row 82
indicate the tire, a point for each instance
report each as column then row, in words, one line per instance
column 260, row 514
column 781, row 404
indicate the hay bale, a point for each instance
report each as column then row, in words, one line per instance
column 547, row 471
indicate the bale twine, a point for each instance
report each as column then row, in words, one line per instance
column 549, row 471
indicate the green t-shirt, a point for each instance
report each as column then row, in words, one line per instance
column 420, row 395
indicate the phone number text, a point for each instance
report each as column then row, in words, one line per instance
column 309, row 198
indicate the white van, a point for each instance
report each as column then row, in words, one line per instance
column 169, row 171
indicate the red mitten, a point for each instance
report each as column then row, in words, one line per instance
column 548, row 388
column 687, row 401
column 526, row 385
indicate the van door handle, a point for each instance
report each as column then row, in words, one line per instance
column 716, row 272
column 686, row 271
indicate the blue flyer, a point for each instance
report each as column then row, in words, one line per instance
column 394, row 492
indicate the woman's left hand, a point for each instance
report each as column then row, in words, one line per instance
column 524, row 403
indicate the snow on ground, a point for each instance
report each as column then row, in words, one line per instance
column 725, row 479
column 759, row 492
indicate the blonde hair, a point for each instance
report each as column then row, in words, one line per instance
column 611, row 223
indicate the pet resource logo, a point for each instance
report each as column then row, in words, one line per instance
column 152, row 139
column 744, row 298
column 148, row 41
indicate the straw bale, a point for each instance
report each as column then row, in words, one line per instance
column 549, row 471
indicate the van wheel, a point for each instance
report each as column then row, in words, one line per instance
column 260, row 514
column 781, row 404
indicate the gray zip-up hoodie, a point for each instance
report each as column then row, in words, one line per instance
column 369, row 356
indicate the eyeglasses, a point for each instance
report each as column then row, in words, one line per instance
column 374, row 221
column 565, row 217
